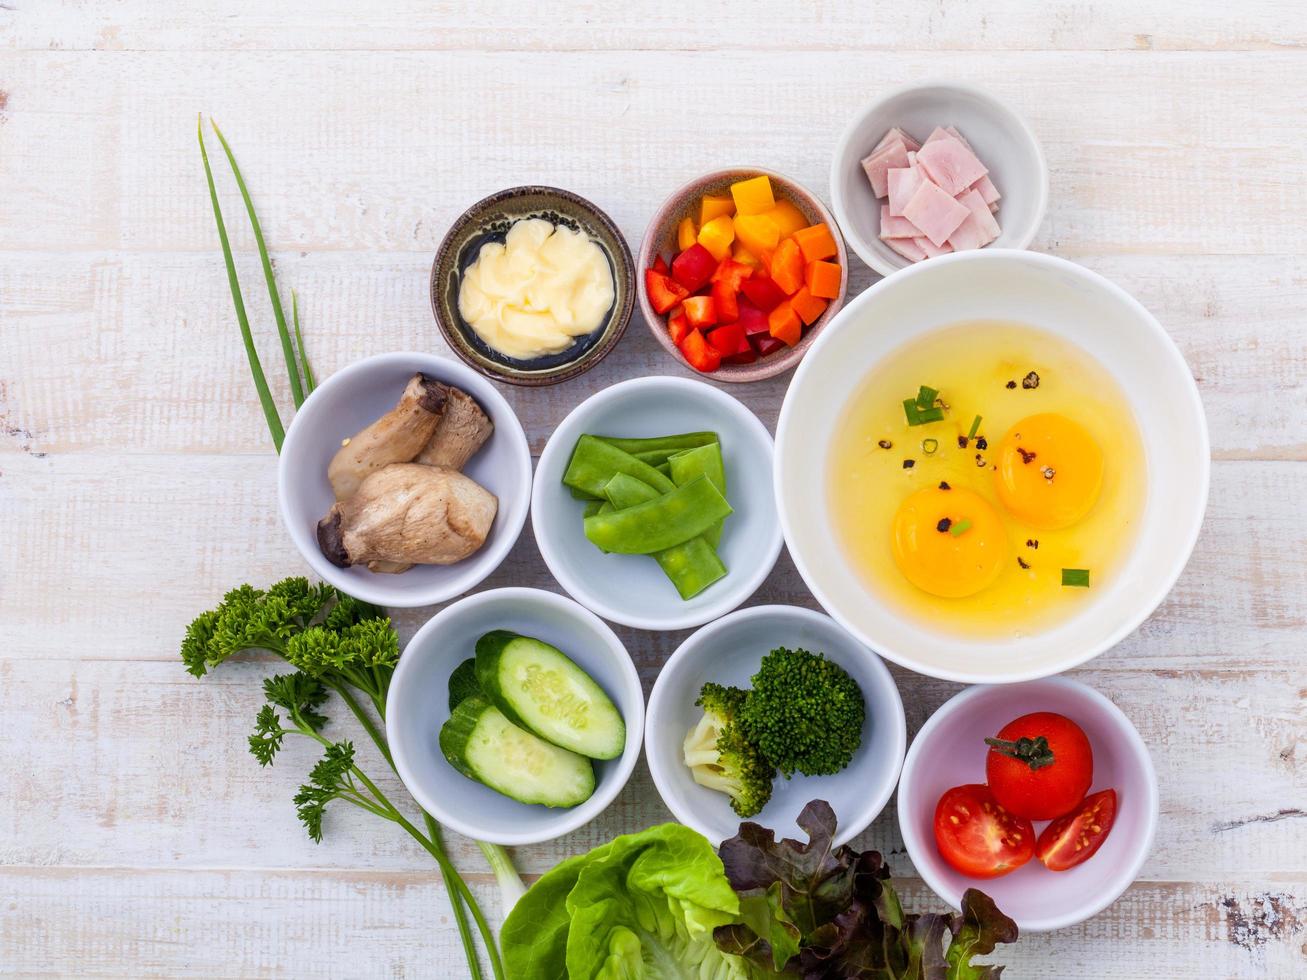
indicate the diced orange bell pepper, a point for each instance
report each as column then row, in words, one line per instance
column 757, row 232
column 808, row 306
column 733, row 273
column 716, row 236
column 823, row 279
column 713, row 206
column 686, row 234
column 700, row 355
column 816, row 242
column 753, row 196
column 742, row 255
column 784, row 324
column 664, row 293
column 787, row 267
column 678, row 325
column 788, row 218
column 700, row 311
column 726, row 302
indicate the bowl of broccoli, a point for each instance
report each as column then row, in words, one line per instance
column 760, row 710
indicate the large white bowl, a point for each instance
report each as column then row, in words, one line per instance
column 729, row 652
column 632, row 589
column 418, row 705
column 1003, row 141
column 1045, row 292
column 950, row 751
column 349, row 401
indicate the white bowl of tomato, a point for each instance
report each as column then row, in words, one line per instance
column 738, row 272
column 1041, row 794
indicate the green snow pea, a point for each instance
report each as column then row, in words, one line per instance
column 660, row 444
column 674, row 518
column 701, row 461
column 594, row 462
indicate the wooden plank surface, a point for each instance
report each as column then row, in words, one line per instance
column 137, row 836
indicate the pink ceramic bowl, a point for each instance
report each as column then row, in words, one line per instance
column 950, row 751
column 660, row 239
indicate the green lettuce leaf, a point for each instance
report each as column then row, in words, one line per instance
column 642, row 907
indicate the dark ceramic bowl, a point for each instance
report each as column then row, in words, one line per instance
column 660, row 239
column 489, row 220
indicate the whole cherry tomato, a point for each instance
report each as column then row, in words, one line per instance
column 1074, row 838
column 977, row 836
column 1040, row 765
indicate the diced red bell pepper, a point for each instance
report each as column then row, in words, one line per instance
column 694, row 267
column 726, row 301
column 746, row 356
column 732, row 273
column 660, row 265
column 765, row 343
column 752, row 319
column 728, row 340
column 700, row 311
column 678, row 325
column 762, row 292
column 700, row 355
column 663, row 293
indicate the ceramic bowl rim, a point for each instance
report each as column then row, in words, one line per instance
column 619, row 317
column 1152, row 600
column 559, row 822
column 480, row 565
column 1126, row 875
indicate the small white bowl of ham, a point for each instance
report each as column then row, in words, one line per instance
column 936, row 168
column 351, row 401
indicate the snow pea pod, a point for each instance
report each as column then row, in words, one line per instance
column 692, row 566
column 664, row 444
column 595, row 462
column 702, row 461
column 672, row 519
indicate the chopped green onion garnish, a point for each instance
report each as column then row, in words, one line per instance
column 961, row 527
column 920, row 416
column 926, row 396
column 929, row 446
column 975, row 427
column 1075, row 577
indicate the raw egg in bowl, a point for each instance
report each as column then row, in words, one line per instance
column 992, row 467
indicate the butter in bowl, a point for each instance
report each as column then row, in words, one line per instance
column 532, row 285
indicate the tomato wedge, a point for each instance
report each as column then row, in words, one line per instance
column 1075, row 838
column 977, row 836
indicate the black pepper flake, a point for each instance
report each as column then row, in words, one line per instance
column 885, row 444
column 943, row 485
column 1049, row 473
column 980, row 461
column 1032, row 543
column 963, row 442
column 982, row 443
column 943, row 525
column 1011, row 384
column 909, row 463
column 1027, row 456
column 1022, row 562
column 1031, row 380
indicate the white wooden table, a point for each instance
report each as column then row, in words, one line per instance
column 138, row 837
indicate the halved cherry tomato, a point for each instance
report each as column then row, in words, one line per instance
column 1074, row 838
column 1040, row 765
column 977, row 836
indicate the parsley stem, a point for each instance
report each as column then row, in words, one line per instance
column 456, row 903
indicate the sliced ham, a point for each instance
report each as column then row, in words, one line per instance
column 896, row 226
column 903, row 183
column 951, row 165
column 987, row 190
column 927, row 246
column 893, row 154
column 935, row 212
column 981, row 215
column 907, row 248
column 893, row 134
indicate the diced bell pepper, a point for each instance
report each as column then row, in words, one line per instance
column 694, row 267
column 713, row 206
column 700, row 311
column 728, row 340
column 660, row 265
column 808, row 306
column 762, row 292
column 732, row 273
column 823, row 279
column 716, row 236
column 787, row 267
column 765, row 344
column 663, row 292
column 726, row 302
column 751, row 318
column 699, row 354
column 784, row 324
column 756, row 232
column 753, row 196
column 816, row 242
column 788, row 218
column 678, row 325
column 686, row 234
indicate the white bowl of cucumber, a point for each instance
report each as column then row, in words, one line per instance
column 696, row 531
column 545, row 772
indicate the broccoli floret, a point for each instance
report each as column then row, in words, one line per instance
column 804, row 713
column 721, row 758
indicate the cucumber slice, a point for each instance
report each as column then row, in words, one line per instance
column 463, row 683
column 538, row 687
column 482, row 744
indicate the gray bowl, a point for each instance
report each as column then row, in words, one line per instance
column 489, row 220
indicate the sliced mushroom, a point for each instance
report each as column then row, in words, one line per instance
column 396, row 437
column 407, row 513
column 463, row 429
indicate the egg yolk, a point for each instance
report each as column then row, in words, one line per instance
column 949, row 543
column 1050, row 471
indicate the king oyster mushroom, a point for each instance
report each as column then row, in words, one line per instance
column 396, row 437
column 407, row 513
column 463, row 429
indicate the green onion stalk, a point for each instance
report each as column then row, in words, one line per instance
column 336, row 643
